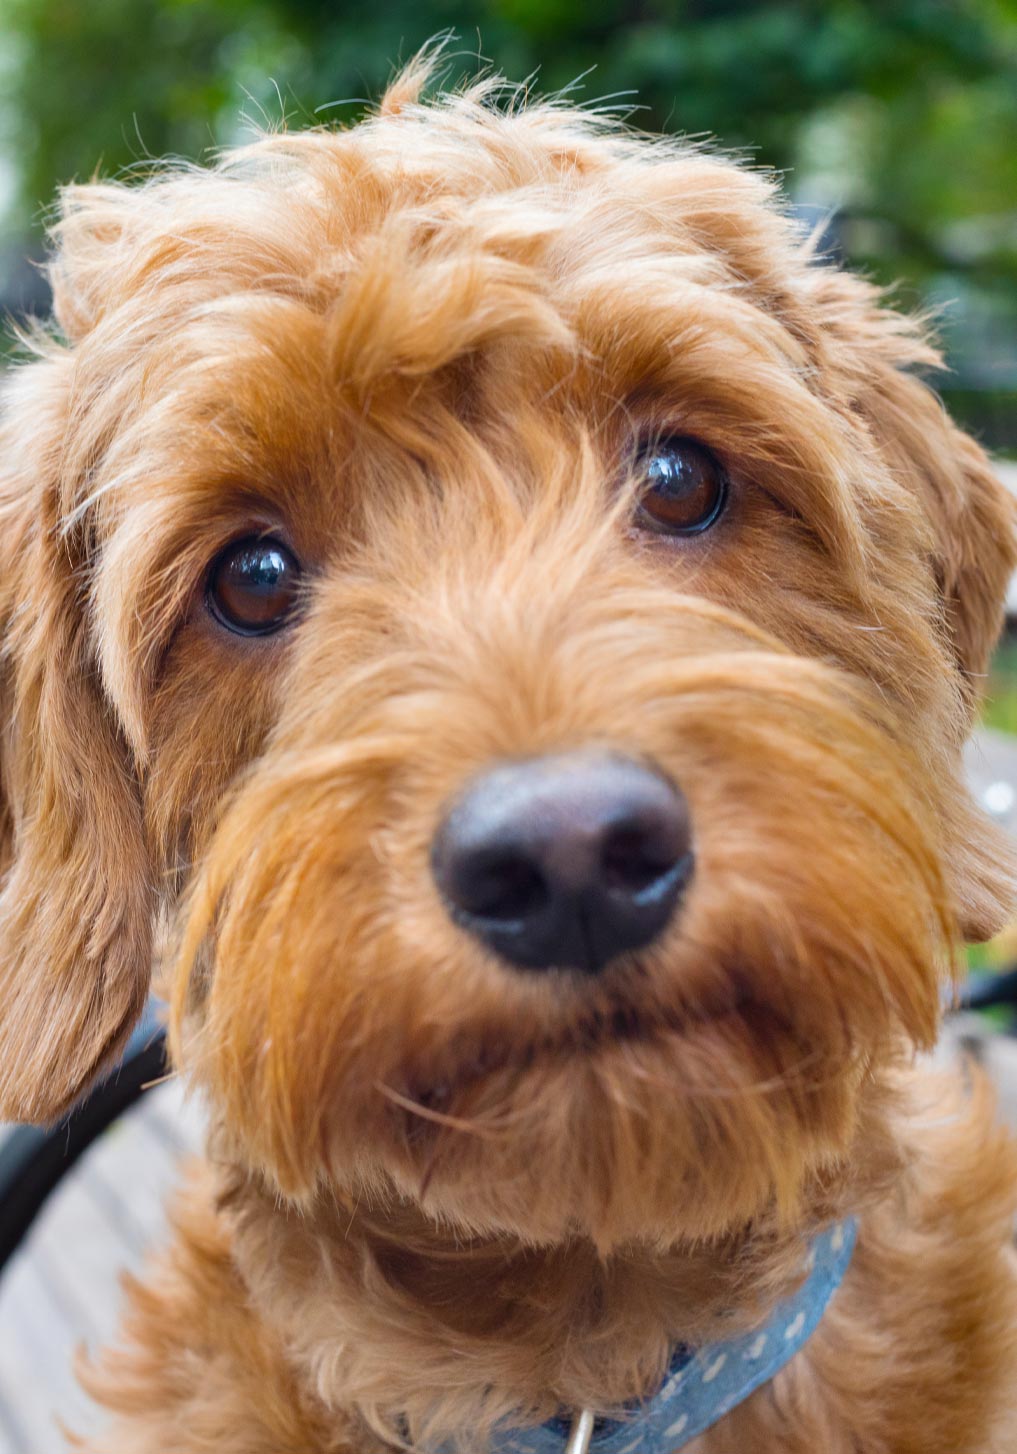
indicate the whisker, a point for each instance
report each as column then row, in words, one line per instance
column 439, row 1118
column 159, row 1080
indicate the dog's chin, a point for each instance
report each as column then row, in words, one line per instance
column 638, row 1127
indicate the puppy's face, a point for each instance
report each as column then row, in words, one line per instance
column 502, row 606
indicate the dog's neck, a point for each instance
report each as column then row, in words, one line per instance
column 386, row 1312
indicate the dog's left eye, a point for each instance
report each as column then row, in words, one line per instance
column 684, row 487
column 253, row 586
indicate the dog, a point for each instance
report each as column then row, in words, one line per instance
column 492, row 618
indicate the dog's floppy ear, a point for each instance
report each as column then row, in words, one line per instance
column 973, row 516
column 973, row 532
column 874, row 351
column 974, row 525
column 76, row 896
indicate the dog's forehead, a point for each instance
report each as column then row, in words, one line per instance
column 436, row 232
column 356, row 260
column 263, row 308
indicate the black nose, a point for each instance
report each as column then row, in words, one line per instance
column 565, row 862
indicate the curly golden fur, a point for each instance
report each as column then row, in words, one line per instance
column 440, row 1193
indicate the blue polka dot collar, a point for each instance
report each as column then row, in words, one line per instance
column 704, row 1384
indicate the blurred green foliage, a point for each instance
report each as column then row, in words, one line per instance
column 999, row 708
column 902, row 113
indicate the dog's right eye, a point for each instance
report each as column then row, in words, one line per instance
column 253, row 586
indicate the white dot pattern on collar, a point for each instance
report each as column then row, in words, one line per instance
column 704, row 1385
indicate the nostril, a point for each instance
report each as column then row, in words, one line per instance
column 644, row 862
column 629, row 862
column 500, row 884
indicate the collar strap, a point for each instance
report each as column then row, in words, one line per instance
column 704, row 1384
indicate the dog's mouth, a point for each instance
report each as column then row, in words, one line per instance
column 446, row 1093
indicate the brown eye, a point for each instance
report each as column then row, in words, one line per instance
column 252, row 586
column 684, row 487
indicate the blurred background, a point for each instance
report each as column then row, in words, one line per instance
column 894, row 124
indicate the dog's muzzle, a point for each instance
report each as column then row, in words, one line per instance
column 565, row 862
